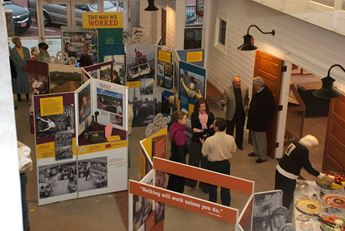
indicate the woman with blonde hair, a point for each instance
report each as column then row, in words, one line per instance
column 295, row 158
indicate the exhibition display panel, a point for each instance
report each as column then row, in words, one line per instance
column 81, row 136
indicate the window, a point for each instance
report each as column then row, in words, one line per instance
column 325, row 2
column 221, row 33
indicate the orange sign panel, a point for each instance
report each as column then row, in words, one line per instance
column 186, row 202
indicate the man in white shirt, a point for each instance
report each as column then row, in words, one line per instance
column 218, row 149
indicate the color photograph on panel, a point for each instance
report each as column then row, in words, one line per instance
column 77, row 42
column 38, row 77
column 192, row 85
column 140, row 62
column 84, row 102
column 64, row 78
column 119, row 68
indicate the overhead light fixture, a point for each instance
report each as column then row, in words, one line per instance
column 248, row 40
column 327, row 91
column 151, row 6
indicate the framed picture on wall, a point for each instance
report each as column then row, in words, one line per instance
column 192, row 38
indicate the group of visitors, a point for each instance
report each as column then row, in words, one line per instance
column 212, row 143
column 19, row 55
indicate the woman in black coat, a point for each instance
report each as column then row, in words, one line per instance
column 202, row 127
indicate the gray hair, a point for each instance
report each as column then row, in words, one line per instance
column 258, row 80
column 309, row 141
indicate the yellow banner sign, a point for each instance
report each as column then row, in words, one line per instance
column 194, row 56
column 51, row 106
column 102, row 20
column 135, row 84
column 164, row 56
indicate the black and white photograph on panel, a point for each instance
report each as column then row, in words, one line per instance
column 268, row 212
column 92, row 174
column 146, row 87
column 57, row 179
column 63, row 145
column 109, row 101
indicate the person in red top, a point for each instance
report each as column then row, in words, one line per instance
column 178, row 149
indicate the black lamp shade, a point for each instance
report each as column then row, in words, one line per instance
column 151, row 6
column 327, row 91
column 248, row 43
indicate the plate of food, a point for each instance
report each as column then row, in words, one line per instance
column 334, row 200
column 331, row 223
column 308, row 206
column 332, row 181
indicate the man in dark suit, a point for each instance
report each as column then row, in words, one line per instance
column 236, row 100
column 261, row 111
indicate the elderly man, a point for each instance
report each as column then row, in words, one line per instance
column 261, row 112
column 236, row 100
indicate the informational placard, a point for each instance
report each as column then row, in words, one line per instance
column 102, row 20
column 194, row 56
column 165, row 69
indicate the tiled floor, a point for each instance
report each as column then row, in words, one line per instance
column 109, row 211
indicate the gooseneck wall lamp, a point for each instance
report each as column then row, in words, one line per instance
column 327, row 91
column 151, row 6
column 248, row 40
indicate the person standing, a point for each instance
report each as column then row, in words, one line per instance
column 295, row 158
column 43, row 55
column 261, row 112
column 202, row 127
column 236, row 100
column 20, row 55
column 87, row 173
column 218, row 149
column 178, row 149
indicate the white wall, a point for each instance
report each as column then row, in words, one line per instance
column 10, row 191
column 315, row 48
